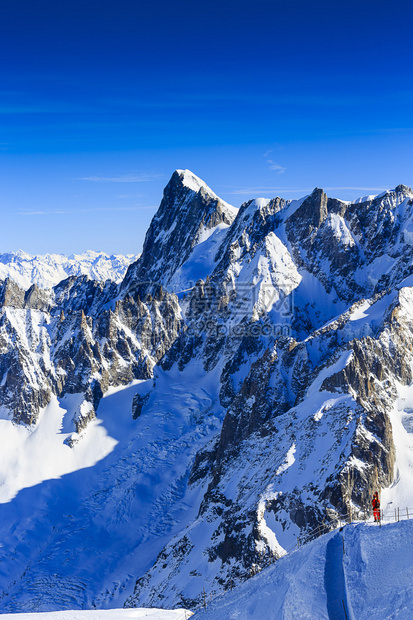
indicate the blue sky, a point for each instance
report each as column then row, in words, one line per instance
column 101, row 101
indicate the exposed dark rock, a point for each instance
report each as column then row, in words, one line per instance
column 310, row 215
column 11, row 294
column 138, row 403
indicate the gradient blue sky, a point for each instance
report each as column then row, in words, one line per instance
column 102, row 100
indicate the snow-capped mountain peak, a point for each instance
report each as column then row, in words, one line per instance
column 192, row 181
column 188, row 210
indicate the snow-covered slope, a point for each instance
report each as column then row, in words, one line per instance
column 48, row 270
column 250, row 379
column 89, row 514
column 358, row 573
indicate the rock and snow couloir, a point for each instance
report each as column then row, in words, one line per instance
column 249, row 379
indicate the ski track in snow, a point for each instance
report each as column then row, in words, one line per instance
column 335, row 580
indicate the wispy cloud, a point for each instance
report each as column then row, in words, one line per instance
column 134, row 196
column 277, row 167
column 361, row 189
column 273, row 165
column 22, row 109
column 122, row 178
column 47, row 107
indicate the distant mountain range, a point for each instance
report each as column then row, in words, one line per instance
column 48, row 270
column 249, row 379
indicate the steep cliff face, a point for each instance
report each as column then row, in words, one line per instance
column 272, row 344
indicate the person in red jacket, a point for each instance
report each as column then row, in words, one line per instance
column 376, row 507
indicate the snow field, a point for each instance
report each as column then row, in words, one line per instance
column 113, row 614
column 400, row 493
column 28, row 456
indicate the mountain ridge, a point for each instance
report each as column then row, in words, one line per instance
column 260, row 363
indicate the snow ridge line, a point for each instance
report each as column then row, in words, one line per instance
column 320, row 530
column 317, row 533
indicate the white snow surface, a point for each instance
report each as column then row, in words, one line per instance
column 340, row 230
column 201, row 261
column 365, row 569
column 366, row 198
column 39, row 453
column 48, row 270
column 112, row 614
column 362, row 568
